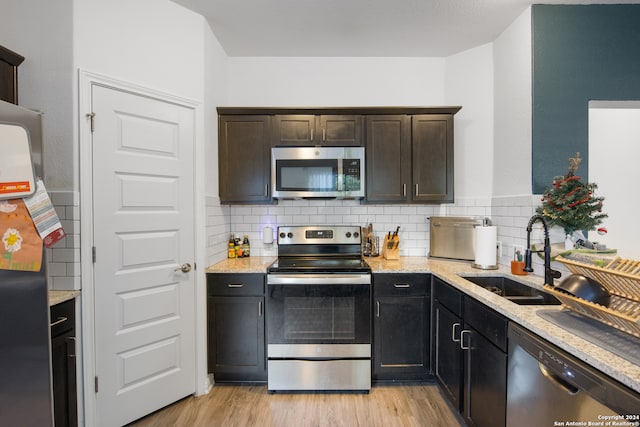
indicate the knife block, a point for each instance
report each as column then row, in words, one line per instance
column 390, row 247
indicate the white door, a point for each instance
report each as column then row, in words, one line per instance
column 143, row 210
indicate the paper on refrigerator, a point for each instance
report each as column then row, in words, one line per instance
column 44, row 216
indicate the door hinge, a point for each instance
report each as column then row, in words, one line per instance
column 91, row 116
column 93, row 254
column 95, row 383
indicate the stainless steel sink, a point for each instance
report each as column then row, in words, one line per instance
column 517, row 292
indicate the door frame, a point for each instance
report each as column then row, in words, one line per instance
column 84, row 152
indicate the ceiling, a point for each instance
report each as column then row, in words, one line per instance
column 360, row 28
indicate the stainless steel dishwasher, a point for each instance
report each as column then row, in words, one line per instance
column 548, row 387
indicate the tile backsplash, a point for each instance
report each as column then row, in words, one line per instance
column 510, row 214
column 63, row 259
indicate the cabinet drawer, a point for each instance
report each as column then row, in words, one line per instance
column 400, row 284
column 62, row 318
column 487, row 322
column 235, row 284
column 447, row 296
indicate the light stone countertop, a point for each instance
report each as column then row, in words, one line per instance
column 449, row 271
column 57, row 297
column 250, row 264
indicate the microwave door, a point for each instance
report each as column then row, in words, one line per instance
column 307, row 178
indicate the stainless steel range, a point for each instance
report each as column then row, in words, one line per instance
column 319, row 311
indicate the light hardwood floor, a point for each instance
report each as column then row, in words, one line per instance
column 251, row 405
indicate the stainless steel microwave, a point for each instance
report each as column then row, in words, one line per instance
column 317, row 172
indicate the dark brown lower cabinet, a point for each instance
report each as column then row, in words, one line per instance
column 485, row 389
column 401, row 327
column 448, row 355
column 470, row 352
column 236, row 327
column 63, row 363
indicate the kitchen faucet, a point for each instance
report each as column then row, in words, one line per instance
column 549, row 274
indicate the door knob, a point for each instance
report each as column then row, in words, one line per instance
column 185, row 268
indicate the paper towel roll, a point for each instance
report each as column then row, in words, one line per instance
column 486, row 247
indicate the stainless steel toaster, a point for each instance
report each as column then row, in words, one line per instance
column 453, row 237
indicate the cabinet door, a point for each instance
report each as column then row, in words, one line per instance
column 485, row 392
column 63, row 364
column 236, row 344
column 307, row 130
column 63, row 373
column 340, row 130
column 432, row 158
column 401, row 338
column 448, row 354
column 294, row 130
column 244, row 159
column 388, row 156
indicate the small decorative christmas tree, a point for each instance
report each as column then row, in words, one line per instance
column 571, row 204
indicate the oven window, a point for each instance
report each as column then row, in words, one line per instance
column 313, row 318
column 306, row 314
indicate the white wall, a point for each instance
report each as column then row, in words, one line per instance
column 156, row 44
column 512, row 109
column 283, row 81
column 469, row 83
column 215, row 94
column 614, row 139
column 42, row 32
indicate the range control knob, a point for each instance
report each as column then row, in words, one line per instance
column 290, row 235
column 282, row 235
column 348, row 234
column 356, row 234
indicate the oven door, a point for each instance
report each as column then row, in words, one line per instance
column 319, row 332
column 312, row 309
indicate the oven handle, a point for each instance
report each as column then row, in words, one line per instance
column 318, row 279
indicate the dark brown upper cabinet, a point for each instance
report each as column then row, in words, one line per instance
column 244, row 154
column 409, row 158
column 409, row 150
column 9, row 62
column 388, row 156
column 432, row 158
column 308, row 130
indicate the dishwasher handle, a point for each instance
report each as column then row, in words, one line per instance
column 557, row 381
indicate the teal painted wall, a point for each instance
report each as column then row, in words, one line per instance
column 580, row 53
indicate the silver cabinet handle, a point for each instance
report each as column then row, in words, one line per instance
column 417, row 189
column 401, row 285
column 312, row 134
column 453, row 332
column 266, row 190
column 59, row 321
column 324, row 134
column 260, row 309
column 404, row 190
column 462, row 345
column 235, row 285
column 185, row 268
column 377, row 308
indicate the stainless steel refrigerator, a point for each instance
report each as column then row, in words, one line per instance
column 25, row 366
